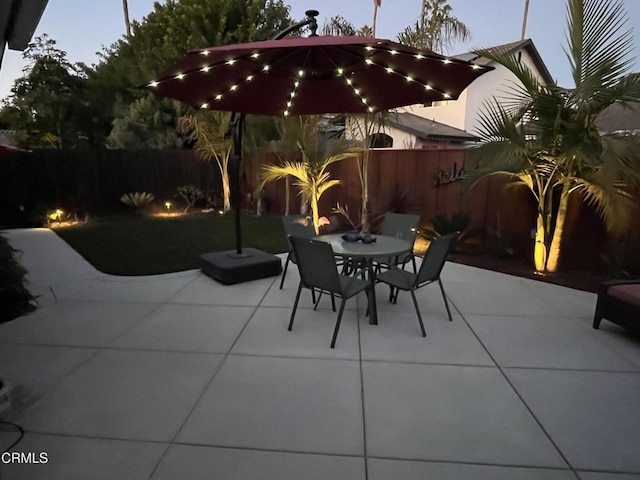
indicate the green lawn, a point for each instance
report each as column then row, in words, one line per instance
column 152, row 245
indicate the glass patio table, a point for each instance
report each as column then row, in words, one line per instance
column 366, row 253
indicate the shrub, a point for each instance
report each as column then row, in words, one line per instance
column 139, row 200
column 191, row 194
column 15, row 298
column 442, row 224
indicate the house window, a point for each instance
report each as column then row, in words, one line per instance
column 381, row 140
column 440, row 103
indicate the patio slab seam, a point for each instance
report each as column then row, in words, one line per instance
column 208, row 383
column 134, row 324
column 91, row 437
column 272, row 450
column 363, row 409
column 520, row 397
column 462, row 462
column 558, row 369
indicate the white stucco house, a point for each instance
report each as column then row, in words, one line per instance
column 405, row 130
column 462, row 114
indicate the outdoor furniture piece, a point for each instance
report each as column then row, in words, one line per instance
column 619, row 302
column 365, row 255
column 404, row 226
column 318, row 271
column 429, row 272
column 295, row 226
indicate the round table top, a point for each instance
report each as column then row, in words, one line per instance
column 384, row 246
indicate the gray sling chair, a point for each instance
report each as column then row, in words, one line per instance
column 319, row 271
column 429, row 272
column 296, row 226
column 404, row 226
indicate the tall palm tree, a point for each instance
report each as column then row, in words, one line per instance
column 545, row 135
column 436, row 29
column 207, row 130
column 127, row 24
column 376, row 6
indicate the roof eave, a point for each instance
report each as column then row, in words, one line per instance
column 18, row 22
column 535, row 55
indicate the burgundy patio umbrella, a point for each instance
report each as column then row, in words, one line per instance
column 313, row 75
column 303, row 76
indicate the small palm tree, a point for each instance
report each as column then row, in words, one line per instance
column 361, row 129
column 310, row 171
column 545, row 136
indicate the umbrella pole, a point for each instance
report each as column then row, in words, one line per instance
column 235, row 266
column 236, row 126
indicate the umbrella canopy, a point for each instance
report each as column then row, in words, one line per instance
column 8, row 151
column 313, row 75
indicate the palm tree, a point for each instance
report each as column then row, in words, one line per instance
column 376, row 6
column 545, row 136
column 338, row 25
column 362, row 129
column 207, row 129
column 127, row 24
column 436, row 29
column 310, row 170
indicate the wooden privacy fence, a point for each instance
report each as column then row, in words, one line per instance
column 95, row 179
column 420, row 181
column 427, row 182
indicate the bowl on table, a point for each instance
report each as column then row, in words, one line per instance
column 352, row 236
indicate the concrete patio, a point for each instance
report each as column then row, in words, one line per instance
column 178, row 377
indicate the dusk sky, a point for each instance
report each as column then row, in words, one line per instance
column 81, row 28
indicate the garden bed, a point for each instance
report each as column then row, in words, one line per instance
column 588, row 281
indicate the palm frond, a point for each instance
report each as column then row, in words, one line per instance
column 599, row 44
column 272, row 172
column 326, row 185
column 621, row 159
column 613, row 202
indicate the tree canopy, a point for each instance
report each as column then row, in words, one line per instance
column 60, row 104
column 47, row 105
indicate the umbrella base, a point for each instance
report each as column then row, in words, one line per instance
column 229, row 267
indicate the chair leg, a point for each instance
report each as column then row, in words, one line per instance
column 413, row 263
column 295, row 307
column 415, row 304
column 597, row 316
column 284, row 271
column 444, row 297
column 335, row 330
column 393, row 294
column 316, row 302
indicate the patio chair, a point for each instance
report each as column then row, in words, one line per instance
column 404, row 226
column 619, row 302
column 296, row 226
column 434, row 258
column 319, row 271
